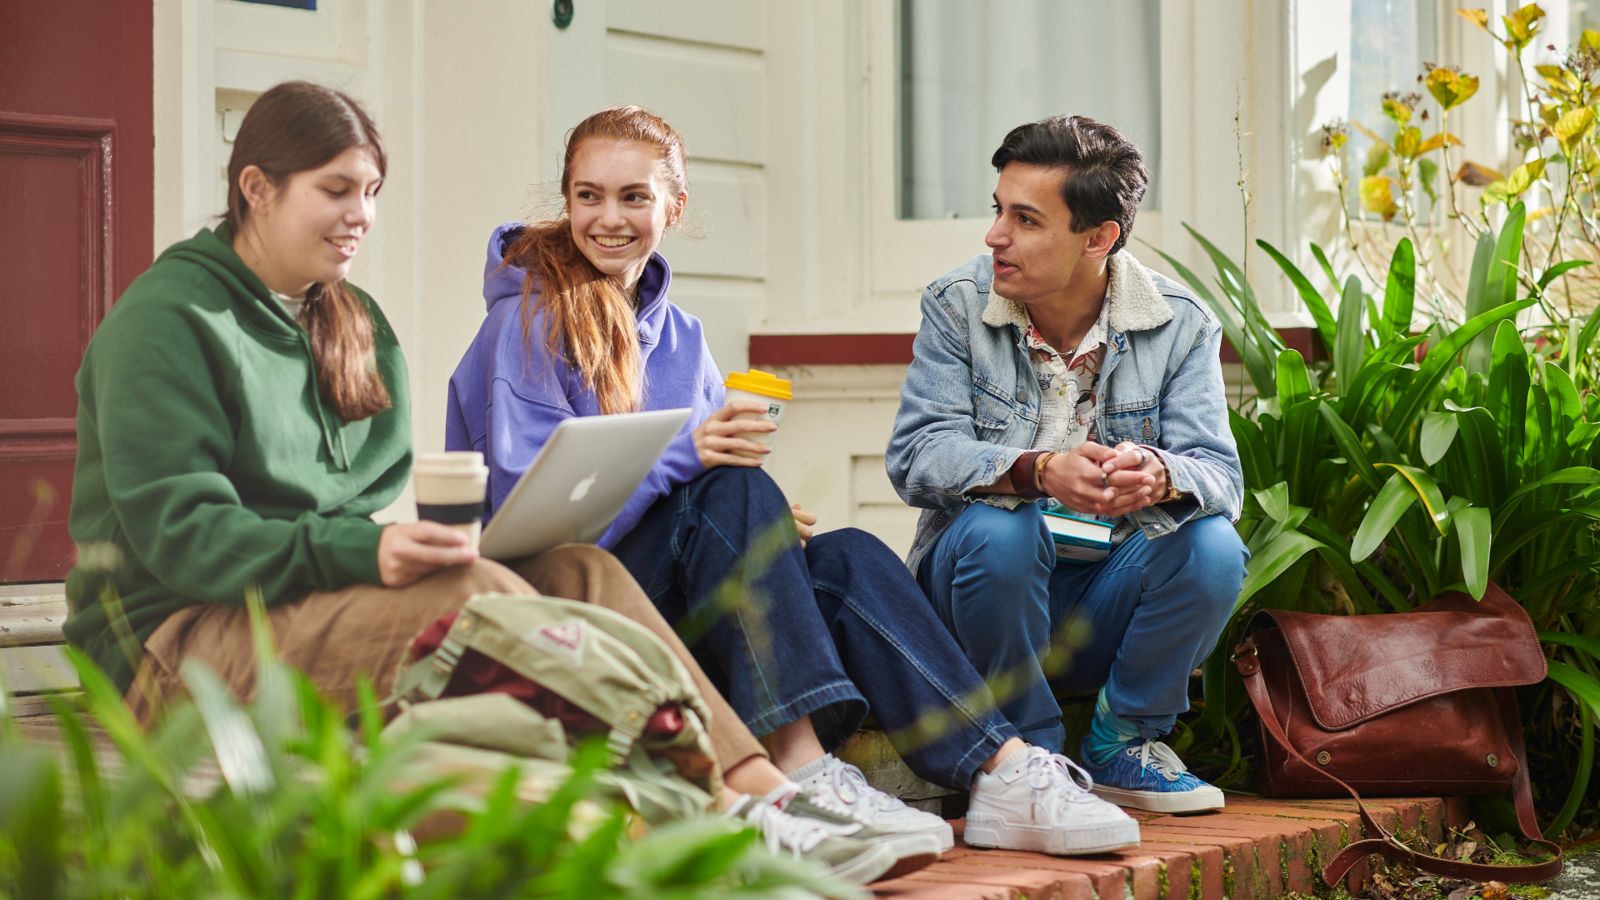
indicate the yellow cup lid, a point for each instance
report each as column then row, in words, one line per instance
column 758, row 382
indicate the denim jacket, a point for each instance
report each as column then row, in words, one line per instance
column 970, row 404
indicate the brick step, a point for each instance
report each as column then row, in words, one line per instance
column 1255, row 848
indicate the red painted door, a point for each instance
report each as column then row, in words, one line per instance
column 76, row 216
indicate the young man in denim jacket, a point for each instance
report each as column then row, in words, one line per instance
column 1060, row 373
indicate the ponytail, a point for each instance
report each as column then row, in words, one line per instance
column 340, row 328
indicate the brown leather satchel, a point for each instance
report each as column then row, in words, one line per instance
column 1414, row 703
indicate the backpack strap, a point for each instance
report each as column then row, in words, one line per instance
column 427, row 678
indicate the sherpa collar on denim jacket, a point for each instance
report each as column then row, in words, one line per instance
column 1136, row 304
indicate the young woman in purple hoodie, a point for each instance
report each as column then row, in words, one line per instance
column 803, row 632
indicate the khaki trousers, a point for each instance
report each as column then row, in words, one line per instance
column 336, row 637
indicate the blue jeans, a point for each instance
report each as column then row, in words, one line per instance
column 1136, row 622
column 832, row 631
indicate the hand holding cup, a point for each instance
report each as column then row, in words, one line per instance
column 450, row 488
column 728, row 436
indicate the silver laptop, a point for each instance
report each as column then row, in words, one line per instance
column 578, row 483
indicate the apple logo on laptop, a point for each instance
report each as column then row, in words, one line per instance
column 581, row 489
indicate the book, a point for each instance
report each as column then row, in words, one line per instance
column 1086, row 540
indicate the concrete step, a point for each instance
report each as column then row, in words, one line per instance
column 1255, row 848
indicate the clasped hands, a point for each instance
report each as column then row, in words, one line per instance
column 1105, row 481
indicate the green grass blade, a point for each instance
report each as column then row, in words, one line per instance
column 1321, row 257
column 1274, row 502
column 1274, row 559
column 1399, row 295
column 1318, row 307
column 1442, row 356
column 1188, row 276
column 1472, row 535
column 1371, row 574
column 1438, row 433
column 1225, row 267
column 1427, row 490
column 1560, row 269
column 1478, row 295
column 1350, row 340
column 1566, row 403
column 1391, row 502
column 1580, row 684
column 1350, row 445
column 1294, row 382
column 1251, row 356
column 1589, row 645
column 1502, row 287
column 1570, row 475
column 1581, row 773
column 1579, row 351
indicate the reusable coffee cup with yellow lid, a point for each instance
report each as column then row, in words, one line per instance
column 450, row 490
column 762, row 387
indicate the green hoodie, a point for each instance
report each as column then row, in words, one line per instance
column 209, row 465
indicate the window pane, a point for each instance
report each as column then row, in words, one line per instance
column 1583, row 14
column 1389, row 42
column 970, row 70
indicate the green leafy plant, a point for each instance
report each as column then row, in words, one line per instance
column 279, row 798
column 1408, row 464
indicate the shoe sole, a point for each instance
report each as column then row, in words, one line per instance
column 868, row 867
column 918, row 841
column 984, row 831
column 1200, row 800
column 905, row 865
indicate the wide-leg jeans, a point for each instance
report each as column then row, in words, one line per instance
column 831, row 631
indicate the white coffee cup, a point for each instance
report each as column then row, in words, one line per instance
column 764, row 388
column 450, row 490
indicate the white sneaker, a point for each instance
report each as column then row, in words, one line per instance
column 853, row 857
column 1041, row 801
column 834, row 784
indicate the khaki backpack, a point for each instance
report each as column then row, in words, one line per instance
column 601, row 673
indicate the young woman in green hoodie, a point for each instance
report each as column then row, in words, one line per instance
column 242, row 414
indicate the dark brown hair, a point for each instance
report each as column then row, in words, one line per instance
column 293, row 127
column 1105, row 174
column 591, row 321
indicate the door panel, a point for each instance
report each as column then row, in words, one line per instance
column 75, row 209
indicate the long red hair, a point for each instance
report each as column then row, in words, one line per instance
column 293, row 127
column 590, row 320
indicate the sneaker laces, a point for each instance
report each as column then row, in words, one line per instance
column 851, row 786
column 1045, row 771
column 782, row 831
column 1161, row 759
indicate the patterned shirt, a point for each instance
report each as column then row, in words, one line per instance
column 1067, row 385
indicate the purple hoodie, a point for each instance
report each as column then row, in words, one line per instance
column 507, row 397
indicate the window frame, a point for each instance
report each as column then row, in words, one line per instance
column 905, row 254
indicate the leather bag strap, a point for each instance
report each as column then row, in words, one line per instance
column 1248, row 662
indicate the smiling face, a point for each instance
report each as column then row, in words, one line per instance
column 1037, row 255
column 620, row 205
column 307, row 229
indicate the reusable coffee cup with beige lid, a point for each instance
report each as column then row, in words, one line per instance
column 762, row 387
column 450, row 489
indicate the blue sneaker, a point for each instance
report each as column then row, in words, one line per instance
column 1148, row 775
